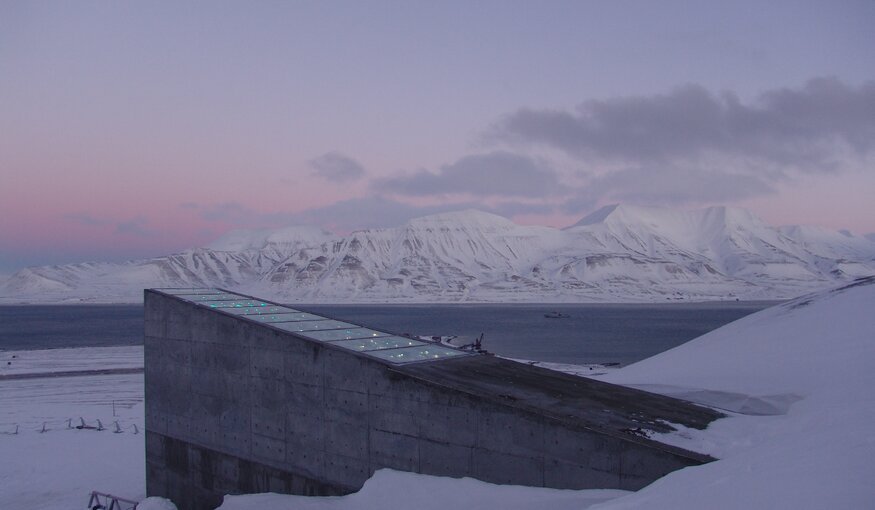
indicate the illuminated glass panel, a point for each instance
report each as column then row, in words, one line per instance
column 343, row 334
column 181, row 292
column 248, row 303
column 421, row 353
column 375, row 344
column 262, row 310
column 199, row 298
column 302, row 316
column 299, row 326
column 276, row 317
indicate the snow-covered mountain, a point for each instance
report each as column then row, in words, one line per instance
column 618, row 253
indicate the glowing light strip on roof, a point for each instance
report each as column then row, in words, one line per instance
column 385, row 346
column 262, row 310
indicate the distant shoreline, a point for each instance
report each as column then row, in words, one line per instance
column 546, row 304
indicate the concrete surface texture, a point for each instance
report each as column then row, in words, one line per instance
column 236, row 405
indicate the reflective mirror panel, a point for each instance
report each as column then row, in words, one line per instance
column 199, row 298
column 249, row 303
column 180, row 292
column 375, row 344
column 277, row 317
column 261, row 310
column 296, row 327
column 392, row 348
column 302, row 316
column 422, row 353
column 343, row 334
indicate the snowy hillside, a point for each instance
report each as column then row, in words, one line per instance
column 799, row 376
column 619, row 253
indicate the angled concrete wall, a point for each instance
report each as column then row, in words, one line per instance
column 234, row 406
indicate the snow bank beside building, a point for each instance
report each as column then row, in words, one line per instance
column 803, row 373
column 799, row 377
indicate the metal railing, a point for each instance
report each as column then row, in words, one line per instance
column 101, row 501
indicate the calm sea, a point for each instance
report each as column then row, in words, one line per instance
column 591, row 333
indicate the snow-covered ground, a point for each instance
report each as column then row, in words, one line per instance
column 47, row 361
column 796, row 380
column 389, row 489
column 804, row 372
column 58, row 468
column 587, row 370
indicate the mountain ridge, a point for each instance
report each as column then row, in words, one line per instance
column 618, row 253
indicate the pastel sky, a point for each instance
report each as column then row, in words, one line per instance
column 135, row 129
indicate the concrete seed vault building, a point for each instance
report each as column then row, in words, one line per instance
column 244, row 395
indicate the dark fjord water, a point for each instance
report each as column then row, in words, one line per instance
column 51, row 327
column 592, row 333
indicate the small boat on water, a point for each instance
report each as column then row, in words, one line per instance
column 556, row 315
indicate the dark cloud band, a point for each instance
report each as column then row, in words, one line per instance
column 496, row 173
column 812, row 128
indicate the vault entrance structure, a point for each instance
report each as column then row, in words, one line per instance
column 244, row 395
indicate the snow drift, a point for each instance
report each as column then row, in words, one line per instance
column 814, row 360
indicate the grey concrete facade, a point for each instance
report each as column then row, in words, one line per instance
column 236, row 406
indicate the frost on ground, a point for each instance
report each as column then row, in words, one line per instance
column 796, row 380
column 588, row 370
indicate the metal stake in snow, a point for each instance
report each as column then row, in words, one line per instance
column 69, row 423
column 99, row 424
column 44, row 429
column 118, row 428
column 83, row 426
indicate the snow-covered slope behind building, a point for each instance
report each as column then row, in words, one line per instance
column 796, row 382
column 619, row 253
